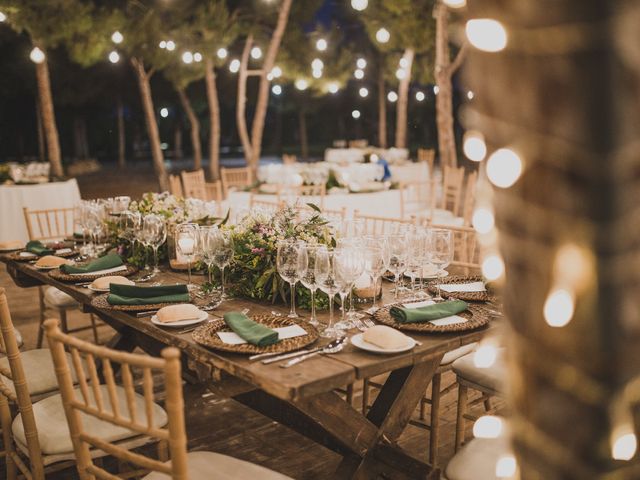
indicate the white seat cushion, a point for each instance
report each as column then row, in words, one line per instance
column 492, row 377
column 477, row 460
column 38, row 370
column 53, row 432
column 215, row 466
column 57, row 298
column 453, row 355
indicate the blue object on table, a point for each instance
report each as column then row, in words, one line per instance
column 387, row 170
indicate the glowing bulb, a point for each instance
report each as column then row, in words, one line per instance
column 436, row 89
column 504, row 167
column 401, row 74
column 506, row 466
column 486, row 34
column 488, row 426
column 404, row 63
column 317, row 73
column 164, row 112
column 558, row 308
column 171, row 45
column 256, row 53
column 37, row 55
column 333, row 87
column 276, row 72
column 3, row 17
column 624, row 443
column 392, row 97
column 197, row 57
column 492, row 267
column 485, row 355
column 317, row 64
column 222, row 53
column 361, row 63
column 163, row 44
column 276, row 89
column 420, row 96
column 187, row 57
column 483, row 220
column 473, row 146
column 363, row 92
column 470, row 95
column 355, row 114
column 321, row 45
column 383, row 35
column 301, row 84
column 114, row 57
column 359, row 5
column 117, row 37
column 359, row 74
column 455, row 3
column 234, row 66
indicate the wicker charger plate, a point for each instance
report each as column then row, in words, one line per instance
column 100, row 301
column 16, row 255
column 473, row 322
column 467, row 296
column 65, row 277
column 207, row 335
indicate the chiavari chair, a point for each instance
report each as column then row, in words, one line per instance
column 417, row 199
column 452, row 184
column 374, row 225
column 427, row 155
column 469, row 198
column 175, row 186
column 268, row 205
column 234, row 178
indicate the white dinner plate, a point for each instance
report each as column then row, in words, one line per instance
column 27, row 255
column 357, row 341
column 101, row 290
column 182, row 323
column 430, row 276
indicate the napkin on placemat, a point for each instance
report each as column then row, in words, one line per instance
column 37, row 247
column 133, row 295
column 463, row 287
column 428, row 313
column 252, row 332
column 105, row 263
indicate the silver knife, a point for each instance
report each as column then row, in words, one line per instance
column 267, row 355
column 146, row 314
column 286, row 356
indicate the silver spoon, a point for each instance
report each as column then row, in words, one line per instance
column 333, row 347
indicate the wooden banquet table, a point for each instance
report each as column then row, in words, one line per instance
column 302, row 397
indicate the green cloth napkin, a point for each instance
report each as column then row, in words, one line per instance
column 133, row 295
column 37, row 247
column 249, row 330
column 428, row 313
column 108, row 261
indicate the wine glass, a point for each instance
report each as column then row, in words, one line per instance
column 397, row 253
column 155, row 233
column 374, row 266
column 207, row 244
column 120, row 204
column 292, row 264
column 223, row 253
column 416, row 246
column 351, row 242
column 95, row 224
column 349, row 265
column 186, row 242
column 309, row 280
column 326, row 279
column 440, row 252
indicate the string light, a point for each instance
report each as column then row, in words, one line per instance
column 276, row 72
column 436, row 89
column 234, row 65
column 359, row 74
column 359, row 5
column 392, row 97
column 401, row 74
column 355, row 114
column 37, row 55
column 488, row 426
column 171, row 45
column 473, row 146
column 363, row 92
column 506, row 466
column 486, row 354
column 486, row 34
column 483, row 220
column 163, row 44
column 187, row 57
column 404, row 63
column 383, row 35
column 256, row 53
column 3, row 17
column 317, row 64
column 504, row 168
column 492, row 267
column 197, row 57
column 333, row 87
column 470, row 95
column 420, row 96
column 317, row 73
column 222, row 53
column 361, row 63
column 321, row 45
column 455, row 3
column 559, row 307
column 117, row 37
column 574, row 267
column 276, row 89
column 114, row 57
column 164, row 112
column 301, row 84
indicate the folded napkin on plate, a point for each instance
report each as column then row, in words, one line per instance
column 132, row 295
column 463, row 287
column 37, row 247
column 108, row 261
column 428, row 313
column 249, row 330
column 178, row 313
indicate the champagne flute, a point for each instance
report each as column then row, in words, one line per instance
column 397, row 254
column 326, row 278
column 291, row 263
column 349, row 266
column 374, row 265
column 186, row 240
column 441, row 252
column 156, row 234
column 223, row 253
column 206, row 240
column 309, row 280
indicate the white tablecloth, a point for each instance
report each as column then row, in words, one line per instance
column 13, row 198
column 351, row 155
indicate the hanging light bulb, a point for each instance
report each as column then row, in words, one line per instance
column 256, row 53
column 37, row 55
column 222, row 53
column 164, row 112
column 506, row 466
column 504, row 168
column 317, row 73
column 276, row 89
column 234, row 66
column 486, row 34
column 392, row 97
column 383, row 35
column 114, row 57
column 333, row 87
column 317, row 64
column 363, row 92
column 163, row 44
column 197, row 57
column 436, row 89
column 473, row 146
column 470, row 95
column 404, row 63
column 420, row 96
column 187, row 57
column 559, row 307
column 359, row 5
column 117, row 37
column 3, row 17
column 401, row 74
column 488, row 426
column 483, row 220
column 355, row 114
column 301, row 84
column 486, row 354
column 170, row 45
column 361, row 63
column 321, row 45
column 276, row 72
column 492, row 267
column 359, row 74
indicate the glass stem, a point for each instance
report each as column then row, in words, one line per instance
column 209, row 273
column 375, row 290
column 189, row 270
column 313, row 305
column 330, row 312
column 351, row 300
column 222, row 279
column 397, row 286
column 292, row 312
column 343, row 297
column 155, row 259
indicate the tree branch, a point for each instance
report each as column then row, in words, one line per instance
column 453, row 66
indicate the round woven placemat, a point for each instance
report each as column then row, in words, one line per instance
column 467, row 296
column 88, row 277
column 100, row 301
column 207, row 335
column 474, row 321
column 15, row 256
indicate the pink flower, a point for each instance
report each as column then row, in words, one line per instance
column 257, row 250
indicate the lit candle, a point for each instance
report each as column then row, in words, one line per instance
column 186, row 245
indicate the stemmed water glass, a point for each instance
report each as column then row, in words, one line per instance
column 223, row 253
column 309, row 279
column 374, row 266
column 416, row 241
column 397, row 254
column 154, row 231
column 94, row 222
column 292, row 264
column 326, row 279
column 349, row 266
column 207, row 244
column 186, row 243
column 440, row 252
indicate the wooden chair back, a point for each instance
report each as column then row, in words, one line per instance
column 175, row 186
column 374, row 225
column 466, row 250
column 194, row 184
column 452, row 184
column 469, row 198
column 289, row 159
column 427, row 155
column 417, row 198
column 21, row 397
column 80, row 401
column 235, row 178
column 358, row 143
column 269, row 205
column 214, row 191
column 50, row 224
column 317, row 191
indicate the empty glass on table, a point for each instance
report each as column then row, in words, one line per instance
column 291, row 264
column 154, row 231
column 374, row 266
column 326, row 279
column 349, row 266
column 440, row 252
column 186, row 244
column 397, row 253
column 309, row 279
column 223, row 253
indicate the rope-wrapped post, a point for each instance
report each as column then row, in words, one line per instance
column 563, row 96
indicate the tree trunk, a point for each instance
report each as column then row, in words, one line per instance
column 42, row 149
column 122, row 158
column 214, row 120
column 177, row 142
column 382, row 107
column 403, row 101
column 49, row 118
column 151, row 122
column 241, row 102
column 194, row 125
column 80, row 141
column 567, row 224
column 302, row 126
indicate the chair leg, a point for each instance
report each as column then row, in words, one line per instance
column 42, row 315
column 365, row 396
column 5, row 421
column 94, row 328
column 487, row 404
column 163, row 451
column 63, row 320
column 350, row 394
column 435, row 419
column 462, row 410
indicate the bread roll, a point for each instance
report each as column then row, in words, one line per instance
column 104, row 282
column 177, row 313
column 385, row 337
column 52, row 261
